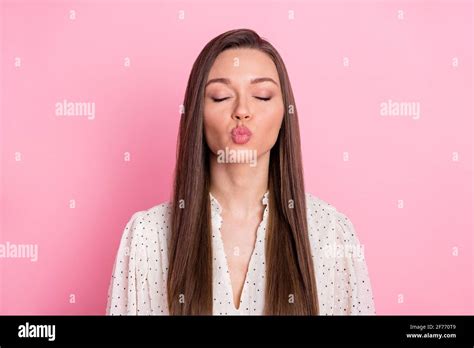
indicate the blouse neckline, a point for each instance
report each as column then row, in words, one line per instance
column 216, row 210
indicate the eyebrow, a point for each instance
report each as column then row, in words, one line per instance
column 252, row 81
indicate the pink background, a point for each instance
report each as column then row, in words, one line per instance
column 409, row 250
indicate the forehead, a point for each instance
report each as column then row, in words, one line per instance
column 243, row 63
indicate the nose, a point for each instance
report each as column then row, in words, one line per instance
column 241, row 111
column 241, row 117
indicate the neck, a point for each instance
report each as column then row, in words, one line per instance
column 239, row 187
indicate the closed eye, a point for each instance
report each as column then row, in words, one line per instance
column 218, row 100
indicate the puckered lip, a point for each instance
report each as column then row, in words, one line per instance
column 241, row 130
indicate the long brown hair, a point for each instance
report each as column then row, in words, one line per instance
column 290, row 279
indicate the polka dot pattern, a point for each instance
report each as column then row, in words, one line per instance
column 139, row 276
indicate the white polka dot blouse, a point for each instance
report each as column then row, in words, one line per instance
column 139, row 276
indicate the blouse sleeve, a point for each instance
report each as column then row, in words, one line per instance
column 128, row 290
column 352, row 286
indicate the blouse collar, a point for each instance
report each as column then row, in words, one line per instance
column 216, row 208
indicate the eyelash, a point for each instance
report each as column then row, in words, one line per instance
column 221, row 100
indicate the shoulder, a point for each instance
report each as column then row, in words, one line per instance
column 322, row 214
column 151, row 221
column 339, row 259
column 147, row 228
column 140, row 263
column 327, row 225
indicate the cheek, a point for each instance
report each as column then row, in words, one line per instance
column 271, row 123
column 214, row 128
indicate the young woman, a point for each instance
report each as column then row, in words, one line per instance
column 240, row 235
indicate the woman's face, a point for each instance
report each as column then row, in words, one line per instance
column 243, row 106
